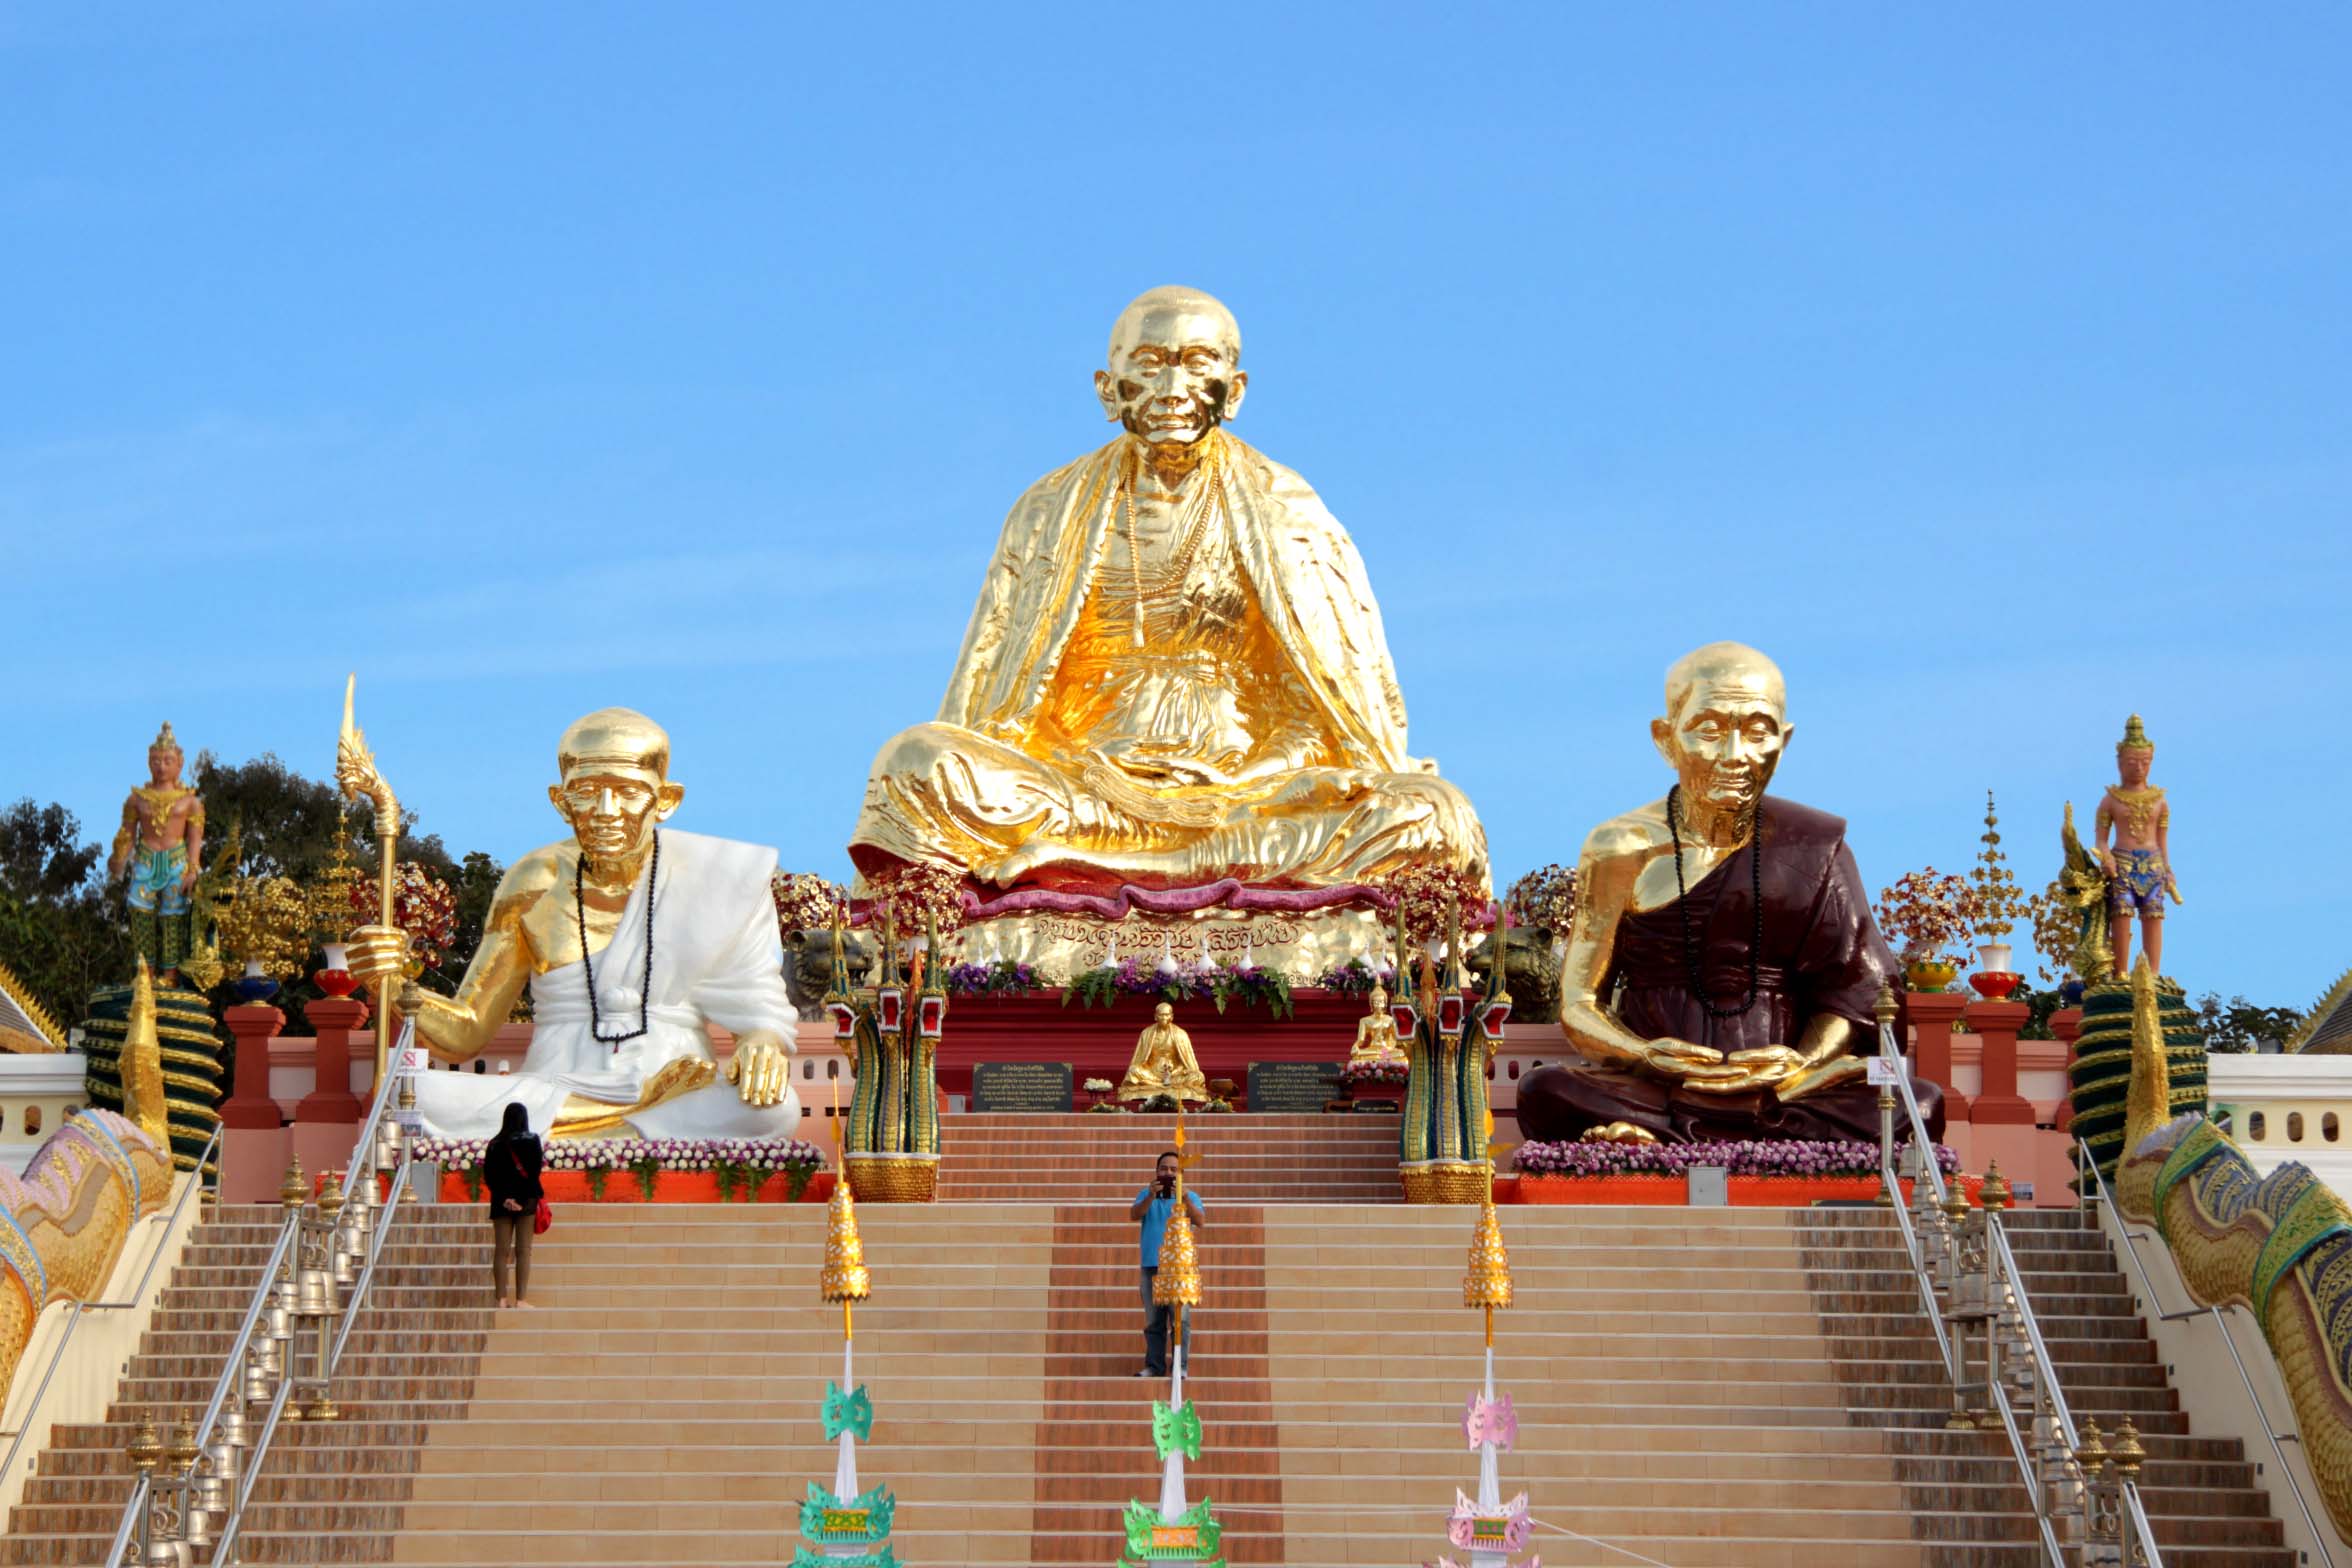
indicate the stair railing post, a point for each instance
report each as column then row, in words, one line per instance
column 1967, row 1307
column 1890, row 1190
column 2102, row 1500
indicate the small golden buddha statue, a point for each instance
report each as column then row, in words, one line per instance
column 1376, row 1034
column 1164, row 1063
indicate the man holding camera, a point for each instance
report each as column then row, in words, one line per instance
column 1152, row 1207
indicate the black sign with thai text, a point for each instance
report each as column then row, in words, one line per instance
column 1292, row 1086
column 1021, row 1086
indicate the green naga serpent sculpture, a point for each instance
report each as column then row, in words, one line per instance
column 891, row 1030
column 2278, row 1245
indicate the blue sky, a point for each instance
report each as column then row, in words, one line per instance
column 1985, row 366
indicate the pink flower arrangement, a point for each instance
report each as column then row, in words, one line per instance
column 1003, row 977
column 807, row 902
column 1795, row 1158
column 423, row 905
column 1357, row 978
column 1545, row 898
column 1928, row 916
column 1355, row 1073
column 1427, row 898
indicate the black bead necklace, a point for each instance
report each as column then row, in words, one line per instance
column 645, row 994
column 1690, row 953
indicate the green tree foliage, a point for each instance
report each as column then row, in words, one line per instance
column 2237, row 1026
column 59, row 932
column 63, row 931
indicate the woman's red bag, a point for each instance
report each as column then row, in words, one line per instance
column 545, row 1215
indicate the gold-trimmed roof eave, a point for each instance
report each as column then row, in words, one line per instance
column 34, row 1023
column 2336, row 999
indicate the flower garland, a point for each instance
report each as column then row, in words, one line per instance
column 1357, row 978
column 1001, row 977
column 741, row 1164
column 1794, row 1159
column 1355, row 1073
column 1251, row 986
column 1168, row 979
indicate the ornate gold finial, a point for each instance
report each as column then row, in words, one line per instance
column 845, row 1276
column 2135, row 737
column 179, row 1449
column 330, row 1198
column 1994, row 1194
column 2091, row 1452
column 2148, row 1102
column 2128, row 1453
column 1956, row 1202
column 1884, row 1008
column 164, row 739
column 145, row 1448
column 1178, row 1283
column 294, row 1191
column 1488, row 1284
column 142, row 1063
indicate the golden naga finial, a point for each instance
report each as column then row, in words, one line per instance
column 355, row 766
column 2148, row 1103
column 142, row 1064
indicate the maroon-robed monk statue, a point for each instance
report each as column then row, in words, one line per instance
column 1723, row 965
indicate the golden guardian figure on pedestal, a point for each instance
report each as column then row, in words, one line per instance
column 1175, row 682
column 631, row 937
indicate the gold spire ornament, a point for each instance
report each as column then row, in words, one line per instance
column 1488, row 1284
column 142, row 1064
column 2135, row 737
column 1178, row 1282
column 845, row 1277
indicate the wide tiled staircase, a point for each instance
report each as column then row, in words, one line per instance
column 1104, row 1158
column 1706, row 1388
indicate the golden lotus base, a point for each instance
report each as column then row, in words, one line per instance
column 894, row 1178
column 1448, row 1183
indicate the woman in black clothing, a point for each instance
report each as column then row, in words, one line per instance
column 510, row 1169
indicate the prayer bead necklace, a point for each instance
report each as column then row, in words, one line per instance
column 1690, row 954
column 588, row 964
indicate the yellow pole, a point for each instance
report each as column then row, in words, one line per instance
column 845, row 1328
column 1490, row 1328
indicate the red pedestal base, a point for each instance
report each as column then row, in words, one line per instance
column 1099, row 1042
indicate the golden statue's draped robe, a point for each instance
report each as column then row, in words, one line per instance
column 1125, row 673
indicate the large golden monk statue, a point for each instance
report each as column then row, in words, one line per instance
column 1176, row 672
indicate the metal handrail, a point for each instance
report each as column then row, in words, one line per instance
column 138, row 1294
column 2105, row 1195
column 2005, row 1288
column 363, row 1166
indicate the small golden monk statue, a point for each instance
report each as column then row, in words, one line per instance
column 1176, row 671
column 1376, row 1034
column 1723, row 965
column 1164, row 1063
column 158, row 854
column 2139, row 866
column 630, row 938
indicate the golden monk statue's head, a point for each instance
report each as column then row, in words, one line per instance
column 1725, row 727
column 1163, row 1015
column 615, row 788
column 1174, row 371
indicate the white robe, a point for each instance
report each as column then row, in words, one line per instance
column 716, row 957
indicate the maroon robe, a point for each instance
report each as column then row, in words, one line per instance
column 1821, row 953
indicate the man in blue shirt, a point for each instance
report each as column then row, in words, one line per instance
column 1152, row 1206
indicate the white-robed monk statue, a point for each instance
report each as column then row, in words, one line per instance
column 631, row 937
